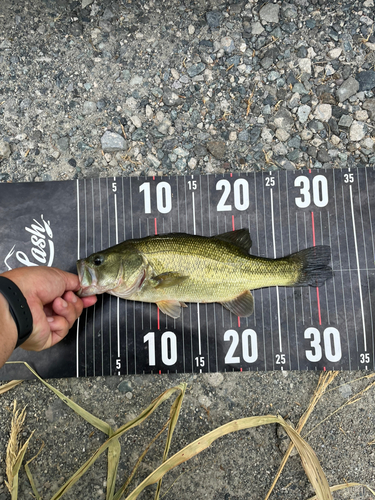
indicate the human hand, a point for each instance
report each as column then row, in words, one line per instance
column 53, row 304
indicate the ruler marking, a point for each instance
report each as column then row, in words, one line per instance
column 110, row 297
column 186, row 210
column 118, row 299
column 274, row 255
column 257, row 233
column 334, row 287
column 131, row 206
column 301, row 295
column 78, row 257
column 102, row 305
column 349, row 263
column 325, row 287
column 94, row 308
column 306, row 246
column 317, row 288
column 269, row 290
column 201, row 204
column 373, row 257
column 359, row 273
column 290, row 251
column 198, row 310
column 126, row 306
column 202, row 232
column 124, row 238
column 282, row 253
column 178, row 204
column 207, row 179
column 365, row 256
column 86, row 253
column 340, row 265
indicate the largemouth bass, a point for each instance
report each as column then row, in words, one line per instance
column 175, row 268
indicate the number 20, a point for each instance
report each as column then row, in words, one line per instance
column 319, row 191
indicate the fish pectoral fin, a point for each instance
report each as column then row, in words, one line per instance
column 165, row 280
column 243, row 305
column 240, row 238
column 171, row 307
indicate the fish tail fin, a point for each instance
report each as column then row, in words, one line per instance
column 313, row 264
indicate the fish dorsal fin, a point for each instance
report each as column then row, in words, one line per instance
column 171, row 307
column 165, row 280
column 240, row 238
column 243, row 305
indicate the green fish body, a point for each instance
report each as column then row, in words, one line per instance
column 176, row 268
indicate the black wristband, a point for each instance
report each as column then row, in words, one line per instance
column 19, row 309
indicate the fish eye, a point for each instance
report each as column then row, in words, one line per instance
column 98, row 259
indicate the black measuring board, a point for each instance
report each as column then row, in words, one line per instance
column 300, row 328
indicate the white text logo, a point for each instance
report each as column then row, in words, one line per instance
column 42, row 251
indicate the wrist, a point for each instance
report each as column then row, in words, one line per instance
column 18, row 309
column 8, row 331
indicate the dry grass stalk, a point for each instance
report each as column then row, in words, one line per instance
column 15, row 452
column 7, row 387
column 339, row 487
column 325, row 380
column 14, row 445
column 29, row 475
column 309, row 460
column 350, row 401
column 123, row 489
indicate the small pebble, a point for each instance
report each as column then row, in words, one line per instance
column 357, row 131
column 112, row 142
column 323, row 112
column 269, row 13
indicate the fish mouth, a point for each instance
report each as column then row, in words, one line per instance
column 87, row 280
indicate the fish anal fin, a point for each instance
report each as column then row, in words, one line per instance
column 243, row 305
column 240, row 238
column 171, row 308
column 166, row 280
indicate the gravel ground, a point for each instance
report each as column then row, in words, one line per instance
column 112, row 88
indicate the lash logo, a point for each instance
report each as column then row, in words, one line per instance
column 43, row 249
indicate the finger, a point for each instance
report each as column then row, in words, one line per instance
column 72, row 298
column 68, row 310
column 59, row 329
column 71, row 280
column 89, row 301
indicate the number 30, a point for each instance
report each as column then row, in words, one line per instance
column 319, row 191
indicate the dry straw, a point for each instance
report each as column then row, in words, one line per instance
column 112, row 446
column 15, row 452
